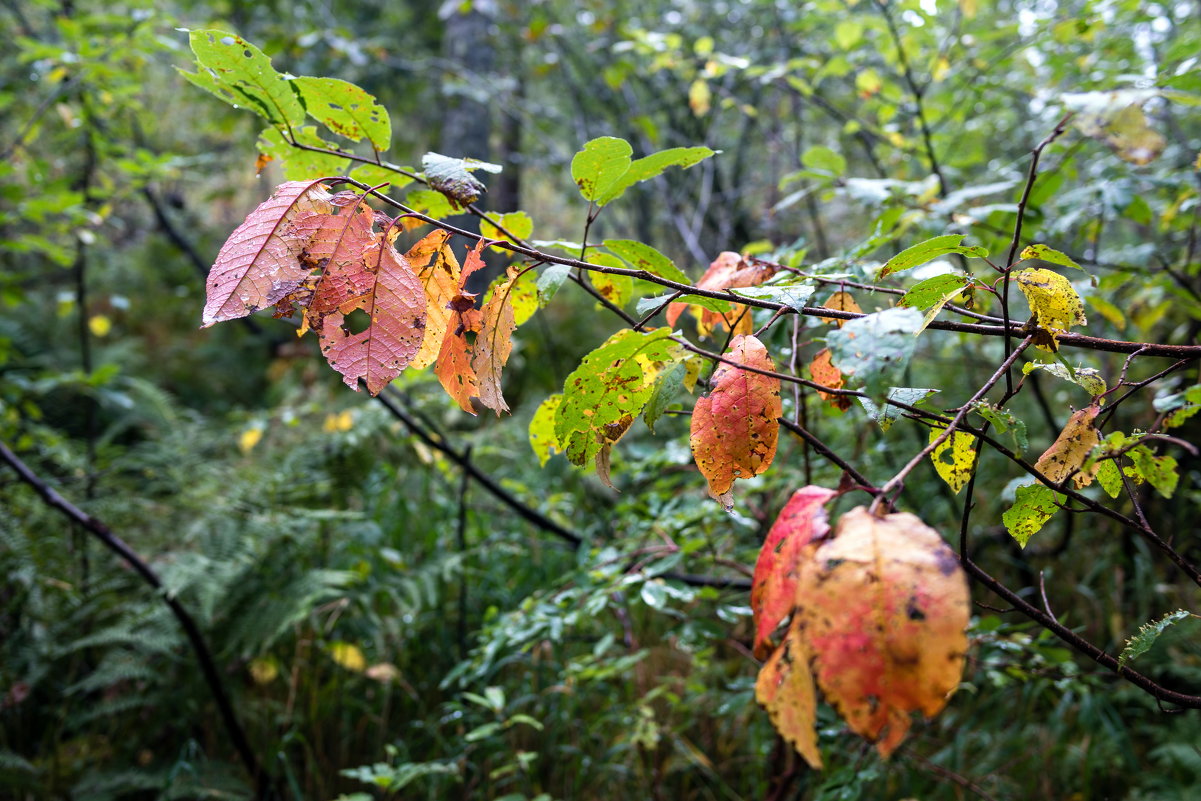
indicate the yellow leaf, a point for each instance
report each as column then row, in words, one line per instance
column 100, row 325
column 954, row 467
column 264, row 669
column 249, row 438
column 699, row 97
column 348, row 656
column 335, row 423
column 1054, row 302
column 842, row 301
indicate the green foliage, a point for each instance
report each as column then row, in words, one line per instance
column 1147, row 634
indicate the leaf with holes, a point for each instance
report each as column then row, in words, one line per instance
column 609, row 389
column 1158, row 471
column 1033, row 506
column 452, row 177
column 1054, row 302
column 735, row 428
column 395, row 306
column 237, row 72
column 260, row 262
column 438, row 271
column 727, row 271
column 337, row 245
column 884, row 608
column 785, row 689
column 454, row 367
column 346, row 110
column 954, row 458
column 789, row 545
column 876, row 348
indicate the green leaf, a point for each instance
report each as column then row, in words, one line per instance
column 600, row 165
column 542, row 429
column 1033, row 506
column 875, row 348
column 247, row 75
column 1179, row 407
column 645, row 305
column 1148, row 633
column 1109, row 476
column 1050, row 255
column 886, row 414
column 669, row 388
column 1086, row 377
column 452, row 177
column 609, row 389
column 617, row 289
column 550, row 280
column 1158, row 471
column 517, row 223
column 1005, row 423
column 346, row 110
column 928, row 251
column 431, row 203
column 373, row 175
column 934, row 293
column 645, row 257
column 298, row 164
column 823, row 158
column 603, row 169
column 794, row 296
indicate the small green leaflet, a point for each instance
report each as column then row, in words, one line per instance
column 886, row 414
column 645, row 257
column 346, row 110
column 452, row 177
column 934, row 293
column 609, row 389
column 603, row 169
column 875, row 348
column 542, row 429
column 1158, row 471
column 646, row 305
column 550, row 280
column 1033, row 506
column 237, row 72
column 794, row 296
column 669, row 387
column 928, row 251
column 1087, row 377
column 1005, row 423
column 1179, row 407
column 1148, row 633
column 1109, row 476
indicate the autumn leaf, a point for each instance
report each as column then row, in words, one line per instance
column 840, row 301
column 609, row 389
column 1054, row 302
column 259, row 264
column 953, row 458
column 395, row 306
column 454, row 368
column 785, row 689
column 789, row 544
column 1033, row 506
column 825, row 373
column 735, row 428
column 542, row 429
column 336, row 244
column 1067, row 454
column 727, row 271
column 883, row 607
column 494, row 344
column 438, row 271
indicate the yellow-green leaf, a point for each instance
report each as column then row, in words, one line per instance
column 1033, row 506
column 1054, row 302
column 953, row 458
column 542, row 429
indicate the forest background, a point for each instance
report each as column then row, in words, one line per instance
column 398, row 599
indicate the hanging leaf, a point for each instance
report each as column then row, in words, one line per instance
column 1033, row 506
column 669, row 389
column 735, row 428
column 794, row 296
column 728, row 270
column 1086, row 377
column 1148, row 633
column 928, row 251
column 615, row 288
column 789, row 545
column 886, row 414
column 1049, row 255
column 494, row 344
column 297, row 163
column 346, row 110
column 438, row 271
column 454, row 368
column 876, row 348
column 258, row 265
column 609, row 389
column 1006, row 423
column 823, row 371
column 452, row 177
column 841, row 301
column 1158, row 471
column 336, row 245
column 396, row 308
column 954, row 458
column 1067, row 454
column 645, row 257
column 884, row 609
column 542, row 429
column 238, row 72
column 785, row 689
column 517, row 227
column 1054, row 302
column 603, row 169
column 934, row 293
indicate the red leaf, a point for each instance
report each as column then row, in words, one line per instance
column 787, row 547
column 259, row 264
column 735, row 428
column 396, row 306
column 338, row 245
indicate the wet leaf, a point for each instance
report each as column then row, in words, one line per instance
column 785, row 689
column 735, row 428
column 237, row 72
column 954, row 458
column 452, row 177
column 1087, row 378
column 840, row 301
column 886, row 414
column 1049, row 255
column 1067, row 454
column 1033, row 506
column 876, row 348
column 1148, row 633
column 438, row 271
column 928, row 251
column 494, row 344
column 934, row 293
column 728, row 270
column 346, row 110
column 645, row 257
column 823, row 371
column 603, row 170
column 1054, row 302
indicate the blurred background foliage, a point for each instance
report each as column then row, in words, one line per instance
column 387, row 630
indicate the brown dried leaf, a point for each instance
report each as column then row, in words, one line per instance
column 1071, row 448
column 785, row 688
column 841, row 301
column 495, row 342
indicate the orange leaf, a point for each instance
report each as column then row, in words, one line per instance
column 883, row 607
column 842, row 301
column 825, row 373
column 785, row 689
column 454, row 368
column 787, row 547
column 1071, row 447
column 735, row 428
column 495, row 342
column 440, row 278
column 729, row 270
